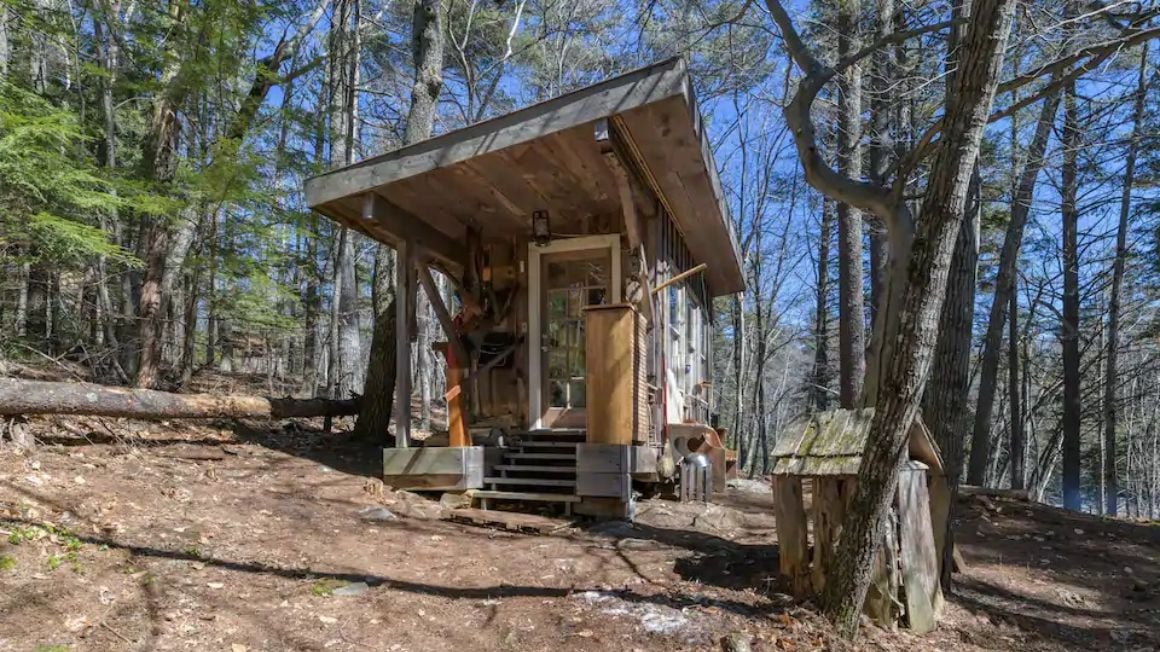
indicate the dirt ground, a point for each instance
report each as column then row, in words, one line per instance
column 122, row 535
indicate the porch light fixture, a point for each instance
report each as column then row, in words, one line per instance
column 541, row 228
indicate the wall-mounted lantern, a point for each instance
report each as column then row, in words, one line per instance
column 541, row 228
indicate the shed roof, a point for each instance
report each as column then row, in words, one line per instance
column 494, row 174
column 831, row 443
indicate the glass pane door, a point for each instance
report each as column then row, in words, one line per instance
column 571, row 281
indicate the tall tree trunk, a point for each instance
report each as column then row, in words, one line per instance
column 882, row 138
column 5, row 47
column 109, row 54
column 345, row 343
column 1014, row 391
column 1113, row 343
column 922, row 275
column 38, row 50
column 20, row 320
column 945, row 404
column 310, row 312
column 738, row 375
column 821, row 390
column 851, row 320
column 189, row 318
column 1004, row 284
column 158, row 165
column 1069, row 324
column 427, row 53
column 37, row 320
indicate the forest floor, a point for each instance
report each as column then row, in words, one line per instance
column 122, row 535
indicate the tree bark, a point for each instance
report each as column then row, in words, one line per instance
column 427, row 52
column 345, row 344
column 1069, row 323
column 1014, row 391
column 822, row 370
column 924, row 275
column 882, row 137
column 1004, row 285
column 1111, row 482
column 851, row 320
column 375, row 415
column 19, row 397
column 5, row 47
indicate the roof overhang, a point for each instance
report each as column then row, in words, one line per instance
column 493, row 174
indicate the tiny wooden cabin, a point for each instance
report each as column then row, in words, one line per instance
column 818, row 455
column 585, row 239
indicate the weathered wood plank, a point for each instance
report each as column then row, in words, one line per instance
column 829, row 514
column 610, row 333
column 920, row 565
column 509, row 521
column 790, row 515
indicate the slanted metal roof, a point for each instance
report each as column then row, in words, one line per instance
column 495, row 173
column 831, row 443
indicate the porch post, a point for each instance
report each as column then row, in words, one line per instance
column 404, row 296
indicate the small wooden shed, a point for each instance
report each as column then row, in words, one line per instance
column 825, row 450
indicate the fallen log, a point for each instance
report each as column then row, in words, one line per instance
column 1011, row 494
column 18, row 397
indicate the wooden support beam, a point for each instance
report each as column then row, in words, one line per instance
column 403, row 226
column 404, row 290
column 442, row 314
column 634, row 227
column 680, row 277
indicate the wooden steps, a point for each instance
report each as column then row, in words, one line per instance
column 539, row 468
column 535, row 443
column 525, row 495
column 535, row 482
column 540, row 456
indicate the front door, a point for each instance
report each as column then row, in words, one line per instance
column 570, row 281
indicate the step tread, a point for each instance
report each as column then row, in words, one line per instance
column 525, row 495
column 543, row 468
column 532, row 443
column 542, row 482
column 540, row 456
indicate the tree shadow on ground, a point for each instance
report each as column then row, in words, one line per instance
column 1048, row 621
column 339, row 450
column 498, row 591
column 1084, row 580
column 714, row 560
